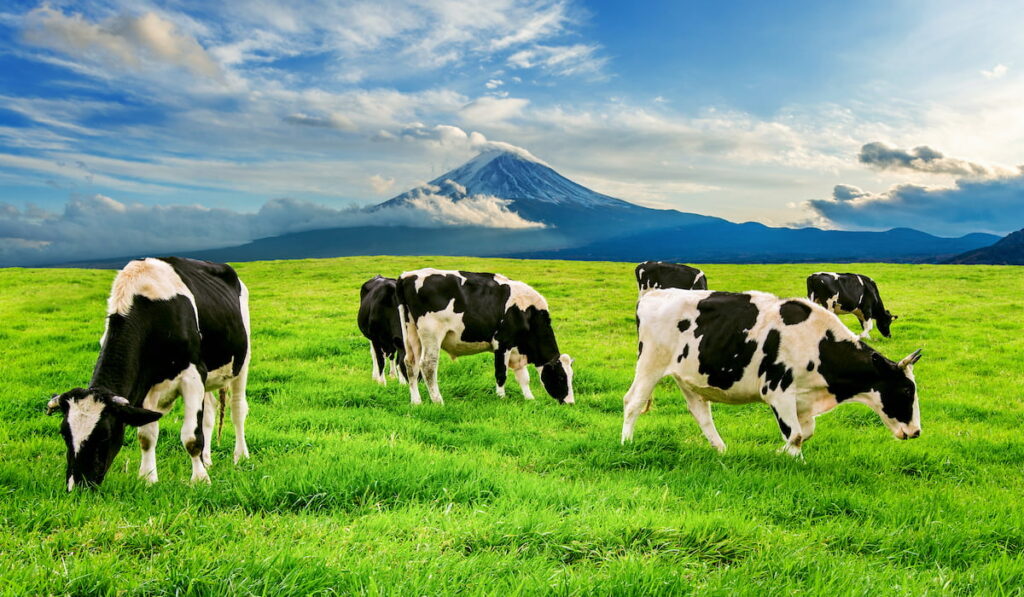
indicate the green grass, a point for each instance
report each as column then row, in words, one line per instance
column 352, row 491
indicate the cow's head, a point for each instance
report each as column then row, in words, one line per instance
column 885, row 320
column 556, row 375
column 895, row 395
column 93, row 429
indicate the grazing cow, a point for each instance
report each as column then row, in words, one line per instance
column 174, row 327
column 467, row 313
column 379, row 322
column 851, row 293
column 737, row 348
column 658, row 274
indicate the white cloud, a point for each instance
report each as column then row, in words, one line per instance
column 494, row 83
column 381, row 185
column 490, row 110
column 126, row 42
column 577, row 59
column 997, row 72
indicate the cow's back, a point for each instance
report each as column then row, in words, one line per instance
column 734, row 347
column 217, row 292
column 480, row 298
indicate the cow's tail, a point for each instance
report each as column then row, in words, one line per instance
column 221, row 401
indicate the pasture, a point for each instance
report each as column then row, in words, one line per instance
column 350, row 490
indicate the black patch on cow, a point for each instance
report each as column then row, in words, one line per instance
column 783, row 427
column 851, row 368
column 725, row 350
column 640, row 349
column 775, row 374
column 500, row 368
column 217, row 289
column 658, row 274
column 684, row 325
column 810, row 365
column 379, row 321
column 794, row 312
column 686, row 350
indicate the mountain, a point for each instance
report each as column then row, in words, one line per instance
column 540, row 194
column 751, row 242
column 582, row 224
column 1007, row 251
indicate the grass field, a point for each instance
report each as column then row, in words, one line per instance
column 352, row 491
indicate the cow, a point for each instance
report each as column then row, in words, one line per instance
column 851, row 293
column 379, row 322
column 658, row 274
column 792, row 354
column 468, row 313
column 174, row 327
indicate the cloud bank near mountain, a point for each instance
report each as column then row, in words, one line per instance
column 99, row 226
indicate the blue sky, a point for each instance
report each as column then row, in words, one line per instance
column 745, row 110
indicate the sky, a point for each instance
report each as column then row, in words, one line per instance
column 187, row 120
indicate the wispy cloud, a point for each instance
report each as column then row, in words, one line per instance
column 997, row 72
column 925, row 159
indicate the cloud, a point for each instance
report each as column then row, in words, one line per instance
column 997, row 72
column 494, row 83
column 489, row 110
column 924, row 159
column 381, row 185
column 130, row 42
column 995, row 206
column 98, row 226
column 574, row 59
column 331, row 121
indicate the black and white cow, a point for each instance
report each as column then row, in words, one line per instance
column 467, row 313
column 658, row 274
column 174, row 327
column 379, row 322
column 851, row 293
column 794, row 355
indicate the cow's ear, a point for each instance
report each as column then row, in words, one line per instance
column 910, row 359
column 134, row 416
column 893, row 317
column 53, row 405
column 881, row 363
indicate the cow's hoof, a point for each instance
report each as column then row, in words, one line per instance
column 720, row 448
column 241, row 455
column 200, row 478
column 207, row 461
column 148, row 478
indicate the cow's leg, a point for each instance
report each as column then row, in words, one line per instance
column 148, row 435
column 523, row 377
column 403, row 376
column 785, row 410
column 377, row 354
column 431, row 350
column 501, row 370
column 411, row 346
column 209, row 418
column 636, row 399
column 192, row 393
column 866, row 324
column 701, row 411
column 239, row 411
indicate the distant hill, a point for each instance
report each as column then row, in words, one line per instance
column 1007, row 251
column 583, row 224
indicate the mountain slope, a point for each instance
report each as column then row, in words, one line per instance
column 1007, row 251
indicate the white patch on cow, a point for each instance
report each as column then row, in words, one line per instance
column 83, row 415
column 151, row 278
column 834, row 275
column 523, row 296
column 700, row 274
column 71, row 483
column 421, row 275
